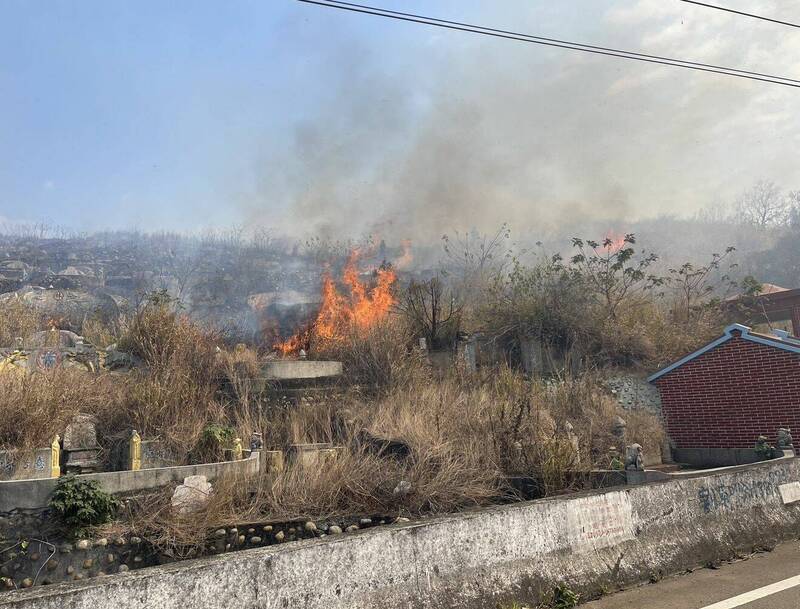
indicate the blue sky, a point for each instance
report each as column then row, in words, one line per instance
column 184, row 115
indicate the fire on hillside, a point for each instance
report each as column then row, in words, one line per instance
column 342, row 312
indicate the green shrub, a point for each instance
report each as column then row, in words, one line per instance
column 82, row 504
column 564, row 597
column 214, row 441
column 764, row 449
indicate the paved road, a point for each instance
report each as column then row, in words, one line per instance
column 765, row 581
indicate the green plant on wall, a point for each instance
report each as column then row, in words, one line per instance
column 82, row 504
column 764, row 449
column 564, row 597
column 213, row 443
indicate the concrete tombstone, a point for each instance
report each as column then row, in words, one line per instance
column 80, row 433
column 80, row 445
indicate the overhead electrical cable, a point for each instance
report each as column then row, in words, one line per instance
column 555, row 42
column 354, row 6
column 735, row 12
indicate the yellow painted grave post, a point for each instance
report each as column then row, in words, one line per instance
column 135, row 452
column 55, row 457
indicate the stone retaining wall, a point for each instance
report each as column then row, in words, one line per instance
column 635, row 393
column 591, row 541
column 34, row 551
column 39, row 562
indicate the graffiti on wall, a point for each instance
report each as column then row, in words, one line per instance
column 12, row 464
column 741, row 492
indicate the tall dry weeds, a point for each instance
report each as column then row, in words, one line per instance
column 176, row 394
column 17, row 320
column 467, row 436
column 35, row 407
column 379, row 358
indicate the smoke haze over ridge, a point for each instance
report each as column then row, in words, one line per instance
column 504, row 131
column 319, row 121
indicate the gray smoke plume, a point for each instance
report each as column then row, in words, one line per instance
column 480, row 131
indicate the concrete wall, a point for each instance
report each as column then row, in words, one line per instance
column 16, row 464
column 283, row 369
column 715, row 457
column 477, row 559
column 31, row 494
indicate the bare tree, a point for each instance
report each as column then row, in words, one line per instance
column 434, row 313
column 763, row 205
column 693, row 283
column 794, row 211
column 473, row 258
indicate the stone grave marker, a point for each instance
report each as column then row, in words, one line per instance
column 80, row 445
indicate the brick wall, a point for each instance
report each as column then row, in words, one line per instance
column 730, row 395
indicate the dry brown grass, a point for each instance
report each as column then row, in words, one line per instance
column 488, row 427
column 351, row 484
column 380, row 358
column 176, row 395
column 17, row 320
column 676, row 338
column 33, row 408
column 99, row 333
column 646, row 429
column 586, row 403
column 467, row 433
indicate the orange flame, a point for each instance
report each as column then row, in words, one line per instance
column 339, row 313
column 613, row 242
column 292, row 345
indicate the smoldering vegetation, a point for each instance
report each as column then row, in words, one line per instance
column 247, row 281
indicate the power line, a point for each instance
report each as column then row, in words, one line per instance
column 363, row 8
column 554, row 42
column 730, row 10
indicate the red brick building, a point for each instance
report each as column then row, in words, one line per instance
column 738, row 387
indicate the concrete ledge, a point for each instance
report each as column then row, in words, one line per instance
column 32, row 494
column 293, row 369
column 788, row 455
column 473, row 560
column 650, row 475
column 715, row 457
